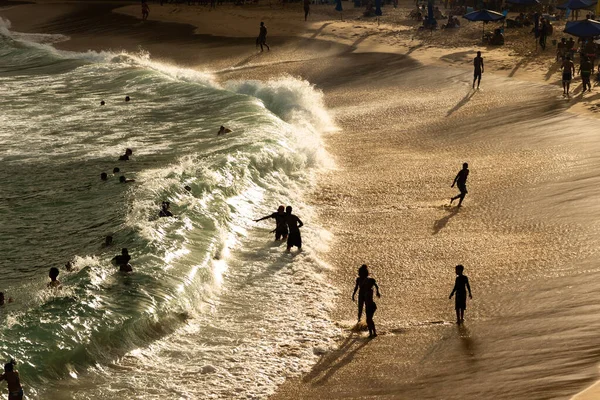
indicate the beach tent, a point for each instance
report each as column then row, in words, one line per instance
column 485, row 16
column 524, row 2
column 577, row 4
column 585, row 28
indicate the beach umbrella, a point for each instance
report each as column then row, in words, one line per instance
column 523, row 2
column 378, row 8
column 585, row 28
column 577, row 4
column 484, row 15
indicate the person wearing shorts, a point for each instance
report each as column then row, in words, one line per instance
column 568, row 69
column 585, row 70
column 478, row 69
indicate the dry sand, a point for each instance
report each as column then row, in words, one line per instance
column 390, row 151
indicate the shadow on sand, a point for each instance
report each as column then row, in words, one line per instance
column 442, row 222
column 461, row 103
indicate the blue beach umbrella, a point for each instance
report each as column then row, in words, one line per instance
column 378, row 8
column 577, row 4
column 484, row 16
column 523, row 2
column 585, row 28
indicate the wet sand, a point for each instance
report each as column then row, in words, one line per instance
column 527, row 234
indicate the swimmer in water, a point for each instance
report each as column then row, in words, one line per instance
column 15, row 391
column 102, row 103
column 122, row 260
column 104, row 176
column 54, row 282
column 281, row 229
column 125, row 157
column 164, row 210
column 108, row 241
column 223, row 131
column 116, row 170
column 3, row 300
column 127, row 98
column 188, row 188
column 122, row 179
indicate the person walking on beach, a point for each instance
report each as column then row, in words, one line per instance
column 461, row 182
column 281, row 228
column 15, row 390
column 306, row 9
column 262, row 37
column 568, row 69
column 585, row 70
column 365, row 294
column 478, row 69
column 294, row 224
column 461, row 285
column 145, row 10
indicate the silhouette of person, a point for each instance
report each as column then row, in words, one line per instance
column 478, row 69
column 125, row 157
column 306, row 9
column 461, row 285
column 164, row 211
column 3, row 300
column 53, row 274
column 108, row 240
column 568, row 71
column 104, row 176
column 366, row 285
column 294, row 224
column 363, row 273
column 262, row 37
column 223, row 130
column 122, row 179
column 122, row 260
column 461, row 182
column 281, row 228
column 102, row 103
column 116, row 170
column 15, row 391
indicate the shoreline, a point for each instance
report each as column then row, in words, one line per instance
column 297, row 60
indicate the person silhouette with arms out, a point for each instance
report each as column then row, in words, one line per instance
column 294, row 224
column 280, row 217
column 461, row 285
column 461, row 182
column 365, row 294
column 15, row 390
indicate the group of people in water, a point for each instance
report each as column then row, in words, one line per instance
column 287, row 226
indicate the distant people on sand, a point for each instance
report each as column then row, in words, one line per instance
column 11, row 376
column 568, row 69
column 223, row 130
column 54, row 282
column 122, row 260
column 4, row 300
column 585, row 70
column 164, row 210
column 262, row 37
column 461, row 285
column 365, row 285
column 294, row 224
column 145, row 10
column 306, row 9
column 125, row 157
column 281, row 228
column 478, row 69
column 122, row 179
column 461, row 182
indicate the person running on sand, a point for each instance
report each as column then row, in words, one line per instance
column 461, row 285
column 366, row 285
column 478, row 69
column 306, row 9
column 568, row 69
column 294, row 224
column 262, row 37
column 53, row 274
column 461, row 182
column 281, row 229
column 145, row 10
column 15, row 391
column 585, row 70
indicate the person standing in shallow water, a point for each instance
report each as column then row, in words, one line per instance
column 15, row 390
column 262, row 37
column 478, row 69
column 294, row 224
column 461, row 182
column 145, row 10
column 365, row 294
column 461, row 285
column 280, row 217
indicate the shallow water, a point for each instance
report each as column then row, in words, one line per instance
column 203, row 314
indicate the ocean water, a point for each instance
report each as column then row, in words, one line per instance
column 215, row 308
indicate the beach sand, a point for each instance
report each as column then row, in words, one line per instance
column 407, row 120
